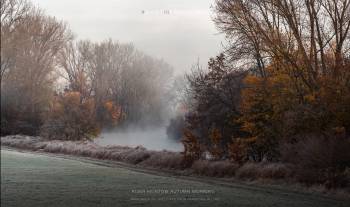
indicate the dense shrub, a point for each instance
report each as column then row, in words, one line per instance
column 252, row 171
column 214, row 95
column 215, row 168
column 70, row 118
column 192, row 148
column 164, row 159
column 238, row 150
column 320, row 159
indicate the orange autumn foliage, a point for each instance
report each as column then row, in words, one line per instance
column 280, row 107
column 192, row 147
column 114, row 112
column 215, row 138
column 70, row 118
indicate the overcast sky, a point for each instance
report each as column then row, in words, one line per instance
column 180, row 37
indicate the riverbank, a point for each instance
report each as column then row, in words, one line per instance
column 38, row 179
column 277, row 175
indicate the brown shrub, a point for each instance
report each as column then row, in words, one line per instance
column 215, row 139
column 21, row 141
column 264, row 170
column 164, row 159
column 70, row 117
column 322, row 160
column 276, row 171
column 135, row 156
column 237, row 150
column 192, row 147
column 214, row 168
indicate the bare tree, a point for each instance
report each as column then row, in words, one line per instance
column 310, row 36
column 34, row 44
column 73, row 59
column 12, row 12
column 111, row 71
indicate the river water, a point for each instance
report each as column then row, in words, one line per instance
column 150, row 138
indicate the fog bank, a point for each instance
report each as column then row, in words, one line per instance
column 152, row 138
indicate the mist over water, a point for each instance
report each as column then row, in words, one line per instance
column 152, row 138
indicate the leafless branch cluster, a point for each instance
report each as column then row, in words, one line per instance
column 311, row 36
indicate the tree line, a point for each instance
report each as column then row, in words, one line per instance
column 280, row 91
column 55, row 85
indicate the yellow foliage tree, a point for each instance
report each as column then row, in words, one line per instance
column 192, row 147
column 114, row 112
column 215, row 138
column 70, row 118
column 265, row 101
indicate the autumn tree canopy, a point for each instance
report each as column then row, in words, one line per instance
column 293, row 57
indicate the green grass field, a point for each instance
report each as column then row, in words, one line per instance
column 30, row 179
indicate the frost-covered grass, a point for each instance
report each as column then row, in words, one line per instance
column 135, row 155
column 31, row 179
column 147, row 158
column 158, row 160
column 132, row 155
